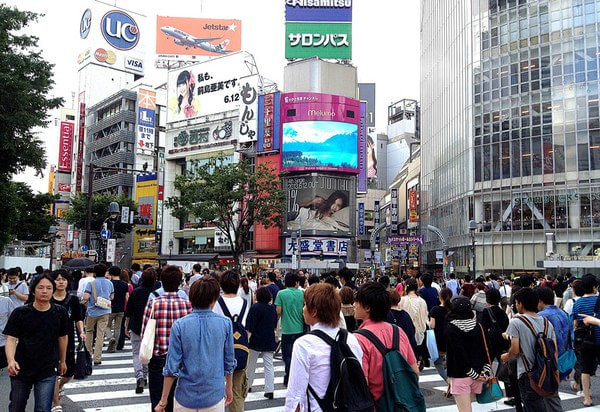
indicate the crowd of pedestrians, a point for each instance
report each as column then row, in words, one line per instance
column 211, row 328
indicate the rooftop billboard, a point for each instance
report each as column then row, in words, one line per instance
column 318, row 10
column 319, row 132
column 187, row 36
column 324, row 40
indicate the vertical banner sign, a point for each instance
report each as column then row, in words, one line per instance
column 125, row 214
column 144, row 236
column 376, row 219
column 361, row 219
column 248, row 110
column 412, row 206
column 394, row 211
column 269, row 122
column 145, row 120
column 81, row 138
column 65, row 147
column 362, row 150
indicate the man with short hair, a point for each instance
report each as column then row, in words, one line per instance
column 97, row 316
column 345, row 278
column 18, row 291
column 522, row 345
column 137, row 274
column 453, row 285
column 196, row 274
column 117, row 307
column 429, row 293
column 289, row 304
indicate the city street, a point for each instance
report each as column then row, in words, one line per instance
column 111, row 389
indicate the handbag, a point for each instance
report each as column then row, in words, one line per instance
column 584, row 335
column 566, row 361
column 431, row 345
column 99, row 300
column 83, row 362
column 147, row 343
column 491, row 390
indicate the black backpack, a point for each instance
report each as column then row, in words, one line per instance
column 543, row 373
column 348, row 390
column 494, row 333
column 240, row 335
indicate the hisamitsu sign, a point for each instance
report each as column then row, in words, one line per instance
column 318, row 10
column 405, row 240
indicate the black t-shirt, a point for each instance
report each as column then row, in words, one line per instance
column 118, row 302
column 38, row 333
column 439, row 313
column 71, row 304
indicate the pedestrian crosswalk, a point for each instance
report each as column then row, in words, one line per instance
column 111, row 388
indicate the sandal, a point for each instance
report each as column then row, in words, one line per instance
column 61, row 393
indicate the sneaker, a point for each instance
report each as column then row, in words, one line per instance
column 139, row 388
column 97, row 362
column 510, row 402
column 112, row 343
column 269, row 395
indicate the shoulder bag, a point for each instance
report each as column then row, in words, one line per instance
column 491, row 391
column 147, row 344
column 99, row 300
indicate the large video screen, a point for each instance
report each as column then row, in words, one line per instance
column 320, row 145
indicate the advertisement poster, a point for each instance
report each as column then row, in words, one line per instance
column 324, row 40
column 65, row 147
column 178, row 37
column 320, row 204
column 144, row 241
column 307, row 10
column 319, row 132
column 145, row 123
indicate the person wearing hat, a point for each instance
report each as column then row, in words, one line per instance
column 467, row 362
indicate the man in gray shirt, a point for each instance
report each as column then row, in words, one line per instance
column 523, row 343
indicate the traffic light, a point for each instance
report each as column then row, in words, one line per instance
column 321, row 255
column 142, row 221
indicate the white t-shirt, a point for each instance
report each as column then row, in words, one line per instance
column 234, row 305
column 83, row 282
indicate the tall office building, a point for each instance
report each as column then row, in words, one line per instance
column 511, row 133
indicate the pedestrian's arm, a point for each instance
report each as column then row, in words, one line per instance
column 167, row 385
column 20, row 296
column 62, row 354
column 588, row 320
column 10, row 350
column 86, row 297
column 278, row 311
column 228, row 389
column 80, row 330
column 513, row 351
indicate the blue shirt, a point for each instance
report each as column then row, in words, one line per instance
column 104, row 288
column 585, row 306
column 200, row 355
column 452, row 284
column 563, row 327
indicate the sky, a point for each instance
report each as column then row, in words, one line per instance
column 385, row 49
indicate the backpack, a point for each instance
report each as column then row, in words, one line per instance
column 240, row 335
column 348, row 390
column 543, row 373
column 401, row 391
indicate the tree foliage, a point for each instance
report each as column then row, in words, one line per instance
column 232, row 197
column 28, row 214
column 26, row 80
column 77, row 214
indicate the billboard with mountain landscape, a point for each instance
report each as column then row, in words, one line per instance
column 319, row 132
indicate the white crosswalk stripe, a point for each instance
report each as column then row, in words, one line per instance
column 111, row 388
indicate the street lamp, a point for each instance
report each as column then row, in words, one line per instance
column 52, row 230
column 472, row 228
column 114, row 210
column 170, row 247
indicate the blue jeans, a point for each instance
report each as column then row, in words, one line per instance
column 287, row 344
column 43, row 392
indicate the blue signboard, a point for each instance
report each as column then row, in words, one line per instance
column 318, row 10
column 105, row 234
column 361, row 218
column 145, row 117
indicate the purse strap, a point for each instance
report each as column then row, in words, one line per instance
column 487, row 352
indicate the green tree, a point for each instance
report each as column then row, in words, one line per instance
column 77, row 214
column 232, row 197
column 29, row 213
column 26, row 80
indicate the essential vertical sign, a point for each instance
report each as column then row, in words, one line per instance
column 65, row 147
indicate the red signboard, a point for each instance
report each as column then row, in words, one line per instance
column 64, row 188
column 65, row 147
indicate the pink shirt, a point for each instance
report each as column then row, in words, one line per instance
column 372, row 361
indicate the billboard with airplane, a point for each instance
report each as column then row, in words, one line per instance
column 178, row 37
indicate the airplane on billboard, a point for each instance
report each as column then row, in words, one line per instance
column 182, row 38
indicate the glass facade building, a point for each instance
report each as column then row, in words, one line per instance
column 511, row 130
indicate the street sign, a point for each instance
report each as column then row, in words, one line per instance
column 84, row 248
column 105, row 234
column 111, row 248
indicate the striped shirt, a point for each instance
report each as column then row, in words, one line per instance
column 585, row 306
column 168, row 307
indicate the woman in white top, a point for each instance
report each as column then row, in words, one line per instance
column 310, row 363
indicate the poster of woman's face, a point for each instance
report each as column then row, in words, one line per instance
column 320, row 204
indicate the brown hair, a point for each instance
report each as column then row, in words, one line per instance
column 325, row 300
column 347, row 295
column 394, row 297
column 204, row 292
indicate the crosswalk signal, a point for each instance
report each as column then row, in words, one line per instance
column 321, row 255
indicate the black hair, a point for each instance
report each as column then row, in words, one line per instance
column 345, row 274
column 312, row 279
column 291, row 279
column 545, row 294
column 263, row 294
column 272, row 277
column 384, row 280
column 230, row 281
column 427, row 280
column 100, row 270
column 197, row 267
column 61, row 272
column 114, row 271
column 492, row 296
column 589, row 282
column 375, row 297
column 37, row 280
column 135, row 267
column 528, row 297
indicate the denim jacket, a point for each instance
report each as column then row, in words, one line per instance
column 200, row 355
